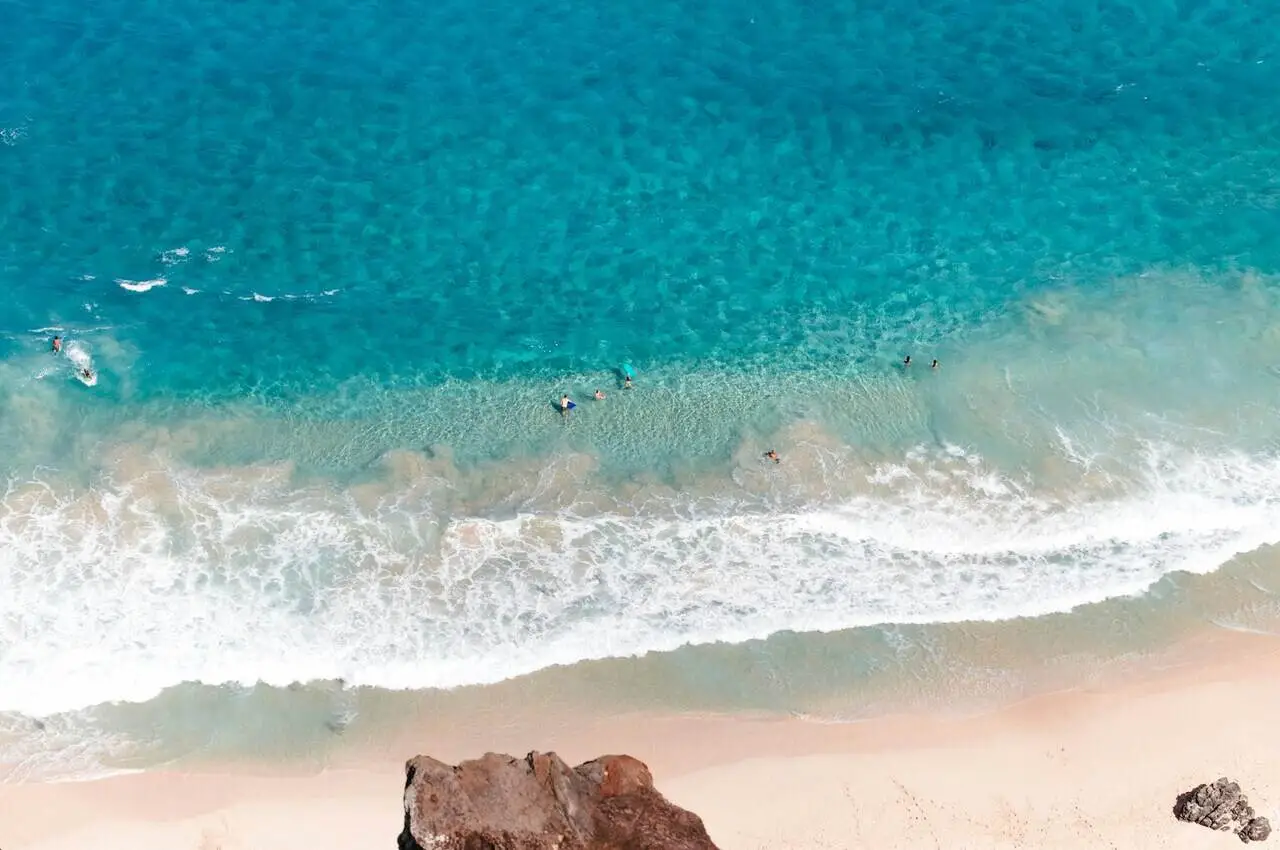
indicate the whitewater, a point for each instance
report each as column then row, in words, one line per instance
column 160, row 576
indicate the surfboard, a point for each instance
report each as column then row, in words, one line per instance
column 556, row 405
column 628, row 371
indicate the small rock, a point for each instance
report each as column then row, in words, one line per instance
column 1257, row 829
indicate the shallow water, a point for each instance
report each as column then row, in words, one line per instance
column 334, row 264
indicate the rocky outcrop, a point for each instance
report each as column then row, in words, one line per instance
column 1223, row 806
column 499, row 802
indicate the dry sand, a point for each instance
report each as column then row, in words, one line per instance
column 1076, row 769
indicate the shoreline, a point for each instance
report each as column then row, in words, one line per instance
column 1082, row 767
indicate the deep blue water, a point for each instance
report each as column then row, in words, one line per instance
column 498, row 188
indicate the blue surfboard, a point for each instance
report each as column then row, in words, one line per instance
column 628, row 371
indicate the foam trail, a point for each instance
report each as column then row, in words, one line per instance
column 78, row 355
column 171, row 576
column 141, row 285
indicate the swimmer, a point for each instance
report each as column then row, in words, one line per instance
column 86, row 373
column 599, row 396
column 907, row 361
column 934, row 365
column 626, row 382
column 56, row 346
column 564, row 404
column 773, row 456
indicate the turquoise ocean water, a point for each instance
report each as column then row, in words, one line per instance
column 334, row 263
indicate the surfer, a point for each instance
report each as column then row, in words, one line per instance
column 773, row 456
column 626, row 382
column 935, row 364
column 907, row 361
column 56, row 345
column 86, row 373
column 564, row 404
column 599, row 396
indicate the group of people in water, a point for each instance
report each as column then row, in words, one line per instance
column 56, row 347
column 566, row 404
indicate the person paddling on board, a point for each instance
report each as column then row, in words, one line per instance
column 599, row 396
column 773, row 456
column 907, row 361
column 935, row 364
column 86, row 373
column 56, row 346
column 626, row 382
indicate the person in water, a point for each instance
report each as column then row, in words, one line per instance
column 564, row 404
column 907, row 361
column 935, row 364
column 57, row 345
column 626, row 382
column 773, row 456
column 599, row 396
column 86, row 373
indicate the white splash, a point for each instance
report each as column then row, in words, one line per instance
column 140, row 285
column 174, row 256
column 10, row 136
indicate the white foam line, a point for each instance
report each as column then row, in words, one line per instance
column 94, row 775
column 257, row 296
column 176, row 576
column 140, row 285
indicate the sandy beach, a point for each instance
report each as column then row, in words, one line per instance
column 1073, row 769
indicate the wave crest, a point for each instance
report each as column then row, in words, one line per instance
column 429, row 576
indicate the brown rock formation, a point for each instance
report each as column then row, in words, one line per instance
column 539, row 803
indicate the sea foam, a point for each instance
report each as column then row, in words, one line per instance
column 164, row 575
column 140, row 285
